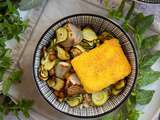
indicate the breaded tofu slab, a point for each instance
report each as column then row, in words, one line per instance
column 101, row 66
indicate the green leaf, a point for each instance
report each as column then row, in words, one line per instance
column 130, row 12
column 144, row 24
column 25, row 106
column 133, row 114
column 144, row 96
column 147, row 77
column 6, row 84
column 150, row 42
column 136, row 19
column 108, row 117
column 16, row 75
column 149, row 60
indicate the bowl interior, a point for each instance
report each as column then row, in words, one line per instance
column 99, row 24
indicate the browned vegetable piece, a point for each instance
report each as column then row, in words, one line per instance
column 59, row 84
column 61, row 69
column 73, row 79
column 51, row 83
column 59, row 94
column 74, row 90
column 74, row 35
column 51, row 72
column 52, row 57
column 43, row 74
column 115, row 91
column 120, row 84
column 105, row 36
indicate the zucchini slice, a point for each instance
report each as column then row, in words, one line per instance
column 49, row 65
column 58, row 85
column 99, row 98
column 120, row 84
column 51, row 83
column 89, row 34
column 61, row 34
column 74, row 101
column 115, row 91
column 62, row 54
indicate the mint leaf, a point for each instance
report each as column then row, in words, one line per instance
column 16, row 75
column 6, row 84
column 144, row 24
column 149, row 60
column 150, row 42
column 147, row 77
column 108, row 117
column 25, row 106
column 144, row 96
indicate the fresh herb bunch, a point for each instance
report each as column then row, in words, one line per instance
column 136, row 24
column 11, row 26
column 7, row 106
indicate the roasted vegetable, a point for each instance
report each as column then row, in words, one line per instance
column 61, row 34
column 115, row 91
column 59, row 84
column 61, row 69
column 77, row 50
column 74, row 101
column 74, row 36
column 74, row 90
column 43, row 74
column 62, row 54
column 51, row 83
column 99, row 98
column 89, row 34
column 120, row 84
column 49, row 65
column 105, row 36
column 51, row 72
column 73, row 79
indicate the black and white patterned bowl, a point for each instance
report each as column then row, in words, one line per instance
column 150, row 1
column 99, row 24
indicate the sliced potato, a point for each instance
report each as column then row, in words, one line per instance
column 58, row 85
column 89, row 34
column 61, row 69
column 62, row 54
column 61, row 34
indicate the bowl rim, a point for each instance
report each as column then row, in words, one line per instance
column 130, row 41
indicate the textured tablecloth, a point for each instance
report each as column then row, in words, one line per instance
column 53, row 11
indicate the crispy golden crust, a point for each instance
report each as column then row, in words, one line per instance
column 102, row 66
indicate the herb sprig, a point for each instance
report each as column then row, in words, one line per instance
column 11, row 26
column 136, row 24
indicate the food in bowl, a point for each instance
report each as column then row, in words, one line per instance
column 82, row 67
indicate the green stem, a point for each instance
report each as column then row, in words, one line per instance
column 130, row 12
column 121, row 7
